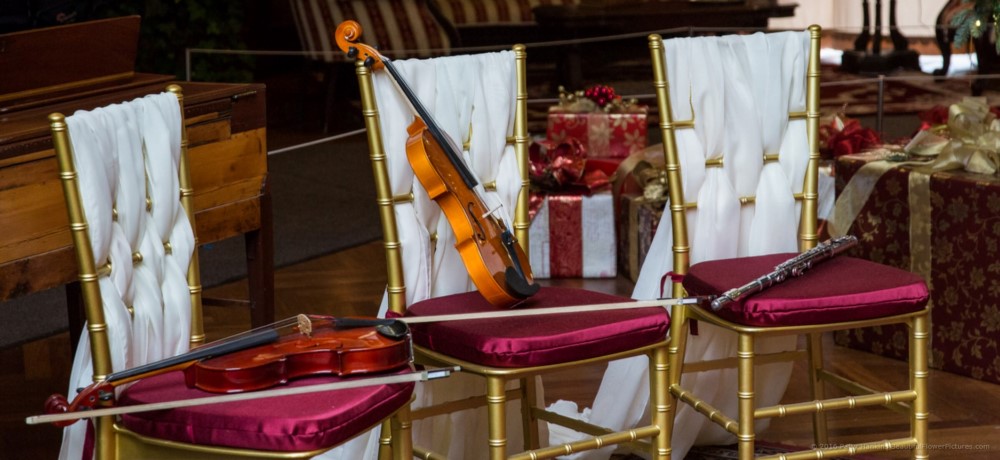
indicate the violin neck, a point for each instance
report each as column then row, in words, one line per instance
column 255, row 338
column 445, row 141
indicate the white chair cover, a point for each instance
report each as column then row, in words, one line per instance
column 122, row 153
column 764, row 75
column 460, row 91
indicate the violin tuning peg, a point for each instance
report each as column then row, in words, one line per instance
column 369, row 61
column 352, row 52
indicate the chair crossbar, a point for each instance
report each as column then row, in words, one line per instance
column 459, row 405
column 424, row 454
column 727, row 363
column 715, row 415
column 847, row 402
column 857, row 389
column 847, row 450
column 509, row 140
column 685, row 124
column 585, row 428
column 569, row 422
column 744, row 200
column 689, row 124
column 589, row 444
column 403, row 198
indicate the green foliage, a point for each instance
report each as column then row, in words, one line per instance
column 170, row 26
column 972, row 22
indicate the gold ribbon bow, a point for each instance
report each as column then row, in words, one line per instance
column 970, row 140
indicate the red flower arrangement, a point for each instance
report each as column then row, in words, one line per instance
column 844, row 136
column 935, row 116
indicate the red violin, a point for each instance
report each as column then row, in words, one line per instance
column 264, row 357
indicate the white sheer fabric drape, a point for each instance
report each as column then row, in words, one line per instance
column 739, row 92
column 472, row 99
column 122, row 154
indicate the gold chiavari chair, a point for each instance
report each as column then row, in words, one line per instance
column 297, row 426
column 842, row 293
column 498, row 352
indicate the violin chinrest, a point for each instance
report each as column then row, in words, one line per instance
column 518, row 284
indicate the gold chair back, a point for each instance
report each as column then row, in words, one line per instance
column 679, row 204
column 90, row 273
column 518, row 138
column 753, row 407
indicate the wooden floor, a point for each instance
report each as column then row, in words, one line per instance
column 965, row 412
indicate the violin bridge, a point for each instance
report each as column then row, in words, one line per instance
column 305, row 325
column 492, row 211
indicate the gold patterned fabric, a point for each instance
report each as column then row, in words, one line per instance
column 944, row 225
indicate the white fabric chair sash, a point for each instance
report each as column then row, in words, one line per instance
column 122, row 153
column 763, row 75
column 472, row 100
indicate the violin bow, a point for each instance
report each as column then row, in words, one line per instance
column 554, row 310
column 418, row 376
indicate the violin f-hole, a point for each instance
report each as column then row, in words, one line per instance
column 480, row 233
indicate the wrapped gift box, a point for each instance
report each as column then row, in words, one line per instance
column 573, row 236
column 636, row 227
column 614, row 135
column 954, row 239
column 640, row 196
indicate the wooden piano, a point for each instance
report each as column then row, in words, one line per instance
column 88, row 65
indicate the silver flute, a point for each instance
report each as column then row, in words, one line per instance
column 788, row 269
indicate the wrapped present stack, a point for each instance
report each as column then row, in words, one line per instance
column 589, row 133
column 640, row 197
column 932, row 207
column 572, row 233
column 606, row 125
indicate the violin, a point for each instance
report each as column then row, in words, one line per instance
column 264, row 357
column 61, row 413
column 495, row 262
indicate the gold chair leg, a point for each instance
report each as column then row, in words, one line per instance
column 815, row 350
column 661, row 409
column 385, row 441
column 675, row 366
column 745, row 393
column 918, row 382
column 496, row 402
column 104, row 434
column 402, row 440
column 529, row 425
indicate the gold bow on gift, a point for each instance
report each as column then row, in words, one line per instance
column 578, row 102
column 645, row 170
column 970, row 140
column 653, row 181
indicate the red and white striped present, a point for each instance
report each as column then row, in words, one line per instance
column 573, row 236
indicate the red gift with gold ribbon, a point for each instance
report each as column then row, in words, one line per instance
column 606, row 125
column 572, row 231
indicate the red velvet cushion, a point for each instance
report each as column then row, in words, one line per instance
column 537, row 340
column 839, row 289
column 287, row 423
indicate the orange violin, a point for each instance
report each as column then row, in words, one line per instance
column 263, row 358
column 495, row 262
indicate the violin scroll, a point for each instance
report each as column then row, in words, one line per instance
column 87, row 398
column 347, row 35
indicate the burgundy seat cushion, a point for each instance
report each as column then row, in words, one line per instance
column 288, row 423
column 537, row 340
column 839, row 289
